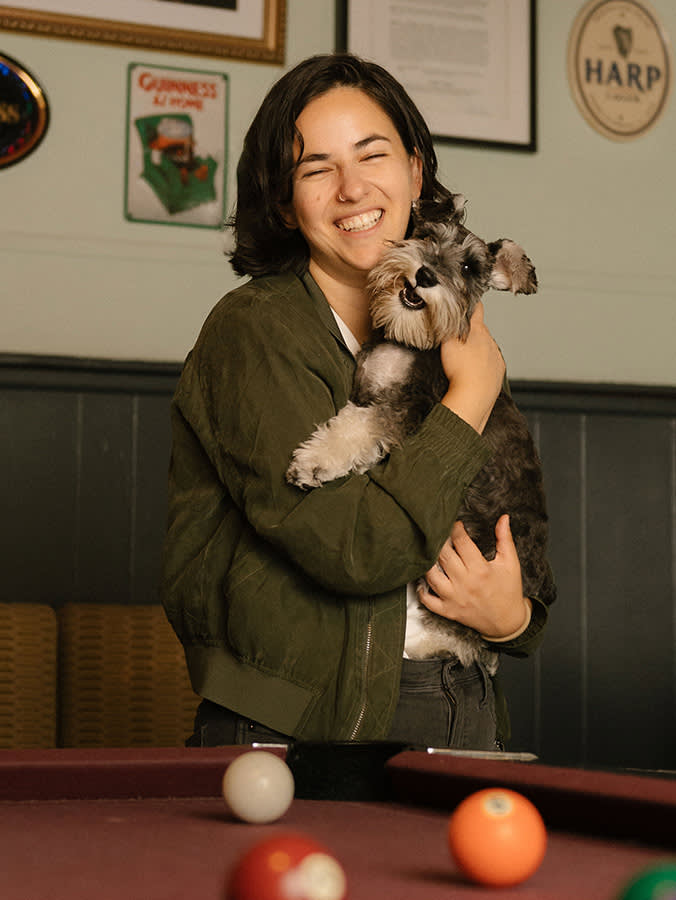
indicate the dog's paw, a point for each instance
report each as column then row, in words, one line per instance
column 308, row 469
column 349, row 443
column 302, row 474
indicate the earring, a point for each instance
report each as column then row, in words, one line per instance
column 341, row 199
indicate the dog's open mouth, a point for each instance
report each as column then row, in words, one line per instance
column 409, row 298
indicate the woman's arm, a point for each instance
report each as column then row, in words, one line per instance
column 475, row 370
column 259, row 381
column 484, row 594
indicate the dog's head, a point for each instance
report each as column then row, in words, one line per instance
column 425, row 288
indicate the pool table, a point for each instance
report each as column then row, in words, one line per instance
column 151, row 825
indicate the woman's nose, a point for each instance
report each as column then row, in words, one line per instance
column 351, row 185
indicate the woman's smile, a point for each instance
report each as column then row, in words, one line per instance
column 360, row 222
column 353, row 185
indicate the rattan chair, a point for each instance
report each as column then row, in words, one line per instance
column 28, row 686
column 124, row 681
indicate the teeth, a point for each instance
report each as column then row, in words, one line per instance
column 360, row 223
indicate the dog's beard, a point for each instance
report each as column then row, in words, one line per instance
column 423, row 316
column 423, row 328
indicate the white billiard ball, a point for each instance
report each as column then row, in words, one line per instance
column 258, row 787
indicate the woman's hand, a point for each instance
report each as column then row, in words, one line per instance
column 486, row 595
column 475, row 370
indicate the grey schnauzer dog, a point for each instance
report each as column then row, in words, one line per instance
column 423, row 291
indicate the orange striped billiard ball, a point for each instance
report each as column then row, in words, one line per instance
column 497, row 837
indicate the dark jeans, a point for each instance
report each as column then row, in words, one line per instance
column 441, row 704
column 216, row 726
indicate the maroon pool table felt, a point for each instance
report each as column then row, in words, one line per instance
column 150, row 825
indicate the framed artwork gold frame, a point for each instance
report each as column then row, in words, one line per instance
column 254, row 30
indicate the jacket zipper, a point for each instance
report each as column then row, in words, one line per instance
column 365, row 666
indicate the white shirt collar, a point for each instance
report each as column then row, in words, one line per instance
column 351, row 341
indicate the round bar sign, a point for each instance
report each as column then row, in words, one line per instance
column 619, row 67
column 24, row 113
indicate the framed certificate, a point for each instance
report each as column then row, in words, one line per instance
column 469, row 67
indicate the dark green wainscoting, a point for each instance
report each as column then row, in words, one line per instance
column 84, row 455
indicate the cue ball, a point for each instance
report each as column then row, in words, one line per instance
column 656, row 882
column 497, row 837
column 287, row 867
column 258, row 787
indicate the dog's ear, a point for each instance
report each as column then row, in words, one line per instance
column 459, row 203
column 512, row 270
column 450, row 210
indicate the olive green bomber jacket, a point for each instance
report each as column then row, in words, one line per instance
column 291, row 604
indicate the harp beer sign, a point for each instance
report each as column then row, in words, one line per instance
column 619, row 67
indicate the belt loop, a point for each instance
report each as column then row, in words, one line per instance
column 447, row 666
column 484, row 680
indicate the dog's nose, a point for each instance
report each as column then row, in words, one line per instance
column 425, row 277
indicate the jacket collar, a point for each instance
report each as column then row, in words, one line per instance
column 322, row 306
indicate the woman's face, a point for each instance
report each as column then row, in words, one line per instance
column 353, row 184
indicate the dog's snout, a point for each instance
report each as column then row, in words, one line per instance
column 425, row 277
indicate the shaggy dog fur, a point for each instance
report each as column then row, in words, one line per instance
column 423, row 291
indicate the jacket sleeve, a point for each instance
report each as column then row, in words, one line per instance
column 528, row 642
column 257, row 384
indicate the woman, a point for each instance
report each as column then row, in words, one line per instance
column 291, row 605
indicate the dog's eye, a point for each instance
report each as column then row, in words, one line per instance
column 469, row 268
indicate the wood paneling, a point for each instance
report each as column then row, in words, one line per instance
column 84, row 458
column 601, row 690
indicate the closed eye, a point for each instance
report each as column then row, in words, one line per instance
column 313, row 172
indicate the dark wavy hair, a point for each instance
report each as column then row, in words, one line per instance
column 263, row 244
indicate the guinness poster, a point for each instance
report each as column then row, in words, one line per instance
column 176, row 146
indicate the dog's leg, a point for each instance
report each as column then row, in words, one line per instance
column 353, row 440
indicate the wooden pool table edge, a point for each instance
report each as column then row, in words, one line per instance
column 635, row 806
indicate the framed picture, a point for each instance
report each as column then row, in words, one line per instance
column 176, row 158
column 252, row 30
column 24, row 112
column 470, row 68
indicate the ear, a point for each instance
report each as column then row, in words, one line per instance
column 459, row 204
column 288, row 217
column 416, row 174
column 512, row 270
column 450, row 210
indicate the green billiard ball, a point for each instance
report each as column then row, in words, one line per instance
column 657, row 882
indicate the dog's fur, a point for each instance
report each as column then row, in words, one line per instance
column 423, row 291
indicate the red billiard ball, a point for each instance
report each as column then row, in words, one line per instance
column 657, row 882
column 287, row 867
column 497, row 837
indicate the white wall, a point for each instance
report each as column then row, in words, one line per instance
column 595, row 216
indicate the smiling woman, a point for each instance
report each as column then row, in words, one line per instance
column 292, row 604
column 352, row 193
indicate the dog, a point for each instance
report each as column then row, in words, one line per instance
column 423, row 291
